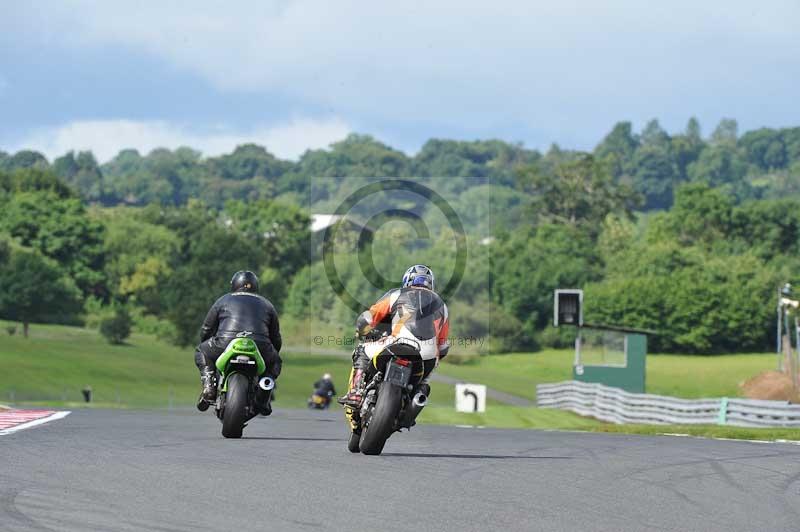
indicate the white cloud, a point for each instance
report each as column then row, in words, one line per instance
column 427, row 56
column 552, row 66
column 107, row 137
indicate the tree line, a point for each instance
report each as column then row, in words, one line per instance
column 759, row 164
column 686, row 235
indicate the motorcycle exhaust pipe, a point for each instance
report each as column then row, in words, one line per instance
column 420, row 400
column 266, row 383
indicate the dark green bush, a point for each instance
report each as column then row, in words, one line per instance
column 117, row 327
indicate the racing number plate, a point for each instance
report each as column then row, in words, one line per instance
column 397, row 374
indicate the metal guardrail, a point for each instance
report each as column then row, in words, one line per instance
column 618, row 406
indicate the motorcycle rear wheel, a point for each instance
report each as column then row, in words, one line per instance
column 354, row 442
column 234, row 416
column 381, row 423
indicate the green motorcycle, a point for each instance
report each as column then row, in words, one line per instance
column 239, row 367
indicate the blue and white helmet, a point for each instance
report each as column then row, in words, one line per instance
column 419, row 275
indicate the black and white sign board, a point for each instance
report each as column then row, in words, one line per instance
column 470, row 398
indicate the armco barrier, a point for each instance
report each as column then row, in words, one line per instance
column 618, row 406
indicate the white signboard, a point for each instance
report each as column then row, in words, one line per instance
column 470, row 398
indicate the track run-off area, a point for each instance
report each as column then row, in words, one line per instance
column 172, row 471
column 12, row 420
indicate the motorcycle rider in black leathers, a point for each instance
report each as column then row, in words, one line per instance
column 242, row 312
column 324, row 386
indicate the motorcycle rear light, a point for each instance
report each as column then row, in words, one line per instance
column 402, row 361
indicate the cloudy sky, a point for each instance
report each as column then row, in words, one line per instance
column 297, row 74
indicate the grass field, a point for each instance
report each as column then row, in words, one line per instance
column 676, row 375
column 512, row 417
column 55, row 363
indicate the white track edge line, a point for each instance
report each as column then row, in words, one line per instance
column 35, row 422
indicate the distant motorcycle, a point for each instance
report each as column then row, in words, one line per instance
column 239, row 367
column 392, row 399
column 320, row 400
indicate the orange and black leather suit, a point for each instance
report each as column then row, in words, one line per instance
column 412, row 312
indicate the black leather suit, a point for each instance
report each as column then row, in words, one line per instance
column 235, row 313
column 323, row 387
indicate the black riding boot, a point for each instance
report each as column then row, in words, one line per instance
column 208, row 378
column 357, row 383
column 358, row 379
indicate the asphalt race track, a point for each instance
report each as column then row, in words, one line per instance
column 172, row 471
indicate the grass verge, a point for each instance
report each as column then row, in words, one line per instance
column 55, row 363
column 705, row 431
column 676, row 375
column 511, row 417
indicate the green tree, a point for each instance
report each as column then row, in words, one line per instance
column 621, row 144
column 33, row 289
column 81, row 172
column 528, row 267
column 273, row 286
column 280, row 231
column 783, row 184
column 356, row 156
column 579, row 193
column 163, row 176
column 769, row 229
column 310, row 295
column 701, row 216
column 655, row 175
column 693, row 131
column 488, row 321
column 5, row 248
column 654, row 170
column 686, row 148
column 765, row 149
column 616, row 237
column 791, row 139
column 33, row 179
column 721, row 165
column 698, row 303
column 117, row 327
column 486, row 209
column 177, row 173
column 201, row 267
column 490, row 161
column 138, row 254
column 24, row 159
column 654, row 135
column 248, row 161
column 726, row 132
column 61, row 229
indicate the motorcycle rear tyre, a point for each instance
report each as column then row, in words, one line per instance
column 381, row 423
column 354, row 442
column 235, row 414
